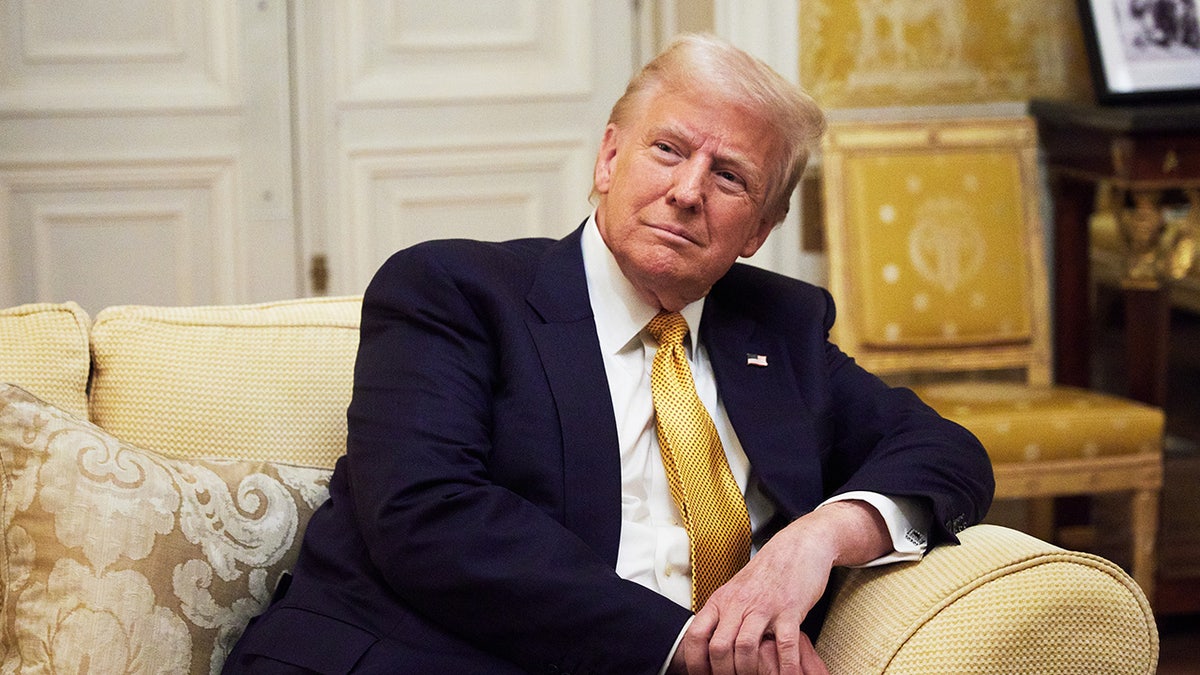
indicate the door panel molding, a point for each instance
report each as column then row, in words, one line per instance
column 72, row 58
column 82, row 230
column 516, row 49
column 468, row 119
column 401, row 196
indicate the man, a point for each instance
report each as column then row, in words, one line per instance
column 506, row 505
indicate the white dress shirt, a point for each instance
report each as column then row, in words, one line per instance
column 653, row 549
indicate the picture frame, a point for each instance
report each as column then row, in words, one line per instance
column 1143, row 51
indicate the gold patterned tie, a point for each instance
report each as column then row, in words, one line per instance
column 712, row 506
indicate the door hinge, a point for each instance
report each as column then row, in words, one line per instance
column 318, row 273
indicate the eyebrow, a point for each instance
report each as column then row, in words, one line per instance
column 736, row 160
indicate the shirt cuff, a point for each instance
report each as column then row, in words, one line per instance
column 675, row 647
column 907, row 521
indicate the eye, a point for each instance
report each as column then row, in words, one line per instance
column 663, row 146
column 731, row 178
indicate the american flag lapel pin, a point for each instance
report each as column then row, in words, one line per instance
column 759, row 360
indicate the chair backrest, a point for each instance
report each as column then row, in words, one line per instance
column 935, row 246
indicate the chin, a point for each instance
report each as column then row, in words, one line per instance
column 660, row 262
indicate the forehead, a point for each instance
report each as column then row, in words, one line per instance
column 732, row 128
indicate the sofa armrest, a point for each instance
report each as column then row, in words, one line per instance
column 1002, row 601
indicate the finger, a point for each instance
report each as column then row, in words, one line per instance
column 810, row 661
column 789, row 646
column 768, row 657
column 721, row 641
column 696, row 640
column 746, row 644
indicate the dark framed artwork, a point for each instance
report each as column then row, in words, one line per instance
column 1143, row 50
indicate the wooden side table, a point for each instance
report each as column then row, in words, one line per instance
column 1149, row 153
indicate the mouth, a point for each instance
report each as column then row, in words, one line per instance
column 674, row 232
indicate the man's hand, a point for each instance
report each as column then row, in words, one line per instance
column 751, row 624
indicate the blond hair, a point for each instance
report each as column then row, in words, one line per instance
column 705, row 64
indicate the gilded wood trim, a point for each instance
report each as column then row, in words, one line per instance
column 1078, row 476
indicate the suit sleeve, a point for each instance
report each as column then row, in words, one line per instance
column 457, row 545
column 887, row 440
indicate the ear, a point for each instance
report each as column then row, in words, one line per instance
column 759, row 237
column 606, row 160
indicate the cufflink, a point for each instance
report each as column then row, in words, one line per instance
column 956, row 524
column 916, row 537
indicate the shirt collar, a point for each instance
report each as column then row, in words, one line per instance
column 620, row 312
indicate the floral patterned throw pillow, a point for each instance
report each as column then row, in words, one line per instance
column 119, row 560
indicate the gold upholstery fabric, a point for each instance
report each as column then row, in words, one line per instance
column 1018, row 423
column 266, row 382
column 930, row 233
column 1003, row 602
column 44, row 348
column 117, row 559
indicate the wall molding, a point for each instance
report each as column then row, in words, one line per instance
column 48, row 221
column 546, row 55
column 39, row 183
column 186, row 69
column 508, row 174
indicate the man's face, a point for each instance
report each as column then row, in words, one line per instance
column 682, row 188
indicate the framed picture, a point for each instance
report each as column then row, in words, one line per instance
column 1143, row 50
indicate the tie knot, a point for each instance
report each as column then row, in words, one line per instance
column 668, row 328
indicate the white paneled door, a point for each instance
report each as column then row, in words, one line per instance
column 145, row 152
column 450, row 118
column 205, row 151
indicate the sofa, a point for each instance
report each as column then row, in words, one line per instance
column 160, row 463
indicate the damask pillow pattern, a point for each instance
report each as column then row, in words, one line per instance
column 119, row 560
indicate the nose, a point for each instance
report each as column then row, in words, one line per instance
column 687, row 184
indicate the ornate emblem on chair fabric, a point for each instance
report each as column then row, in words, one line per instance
column 945, row 245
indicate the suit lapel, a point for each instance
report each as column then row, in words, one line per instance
column 765, row 406
column 564, row 333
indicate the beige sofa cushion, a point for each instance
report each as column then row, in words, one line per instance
column 119, row 560
column 267, row 382
column 44, row 348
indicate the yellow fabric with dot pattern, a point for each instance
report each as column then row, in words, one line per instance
column 939, row 262
column 1018, row 423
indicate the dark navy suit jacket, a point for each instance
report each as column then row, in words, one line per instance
column 473, row 525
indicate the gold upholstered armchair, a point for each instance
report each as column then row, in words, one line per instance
column 938, row 268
